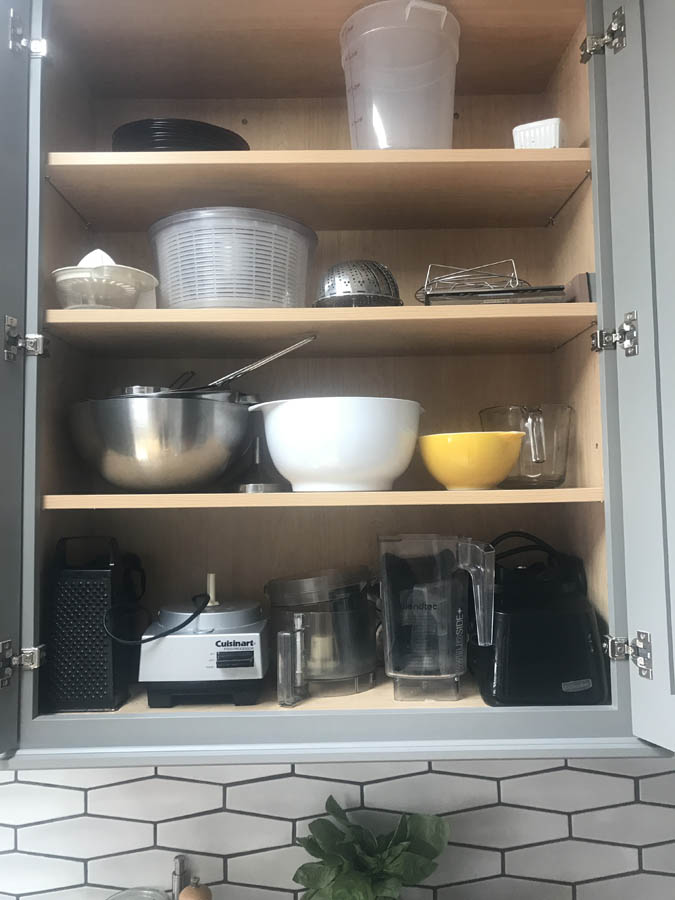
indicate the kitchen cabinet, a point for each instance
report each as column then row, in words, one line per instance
column 272, row 72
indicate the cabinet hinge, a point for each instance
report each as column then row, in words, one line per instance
column 626, row 336
column 18, row 42
column 28, row 658
column 614, row 37
column 639, row 651
column 31, row 344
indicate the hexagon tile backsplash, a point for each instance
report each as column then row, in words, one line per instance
column 581, row 829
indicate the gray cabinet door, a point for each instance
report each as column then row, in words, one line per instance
column 640, row 95
column 13, row 188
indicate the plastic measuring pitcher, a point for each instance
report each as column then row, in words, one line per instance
column 399, row 59
column 425, row 602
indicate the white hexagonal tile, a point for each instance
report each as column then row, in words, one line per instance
column 86, row 837
column 660, row 789
column 154, row 800
column 506, row 889
column 496, row 768
column 272, row 868
column 464, row 864
column 571, row 861
column 230, row 892
column 430, row 793
column 646, row 887
column 7, row 897
column 291, row 797
column 21, row 804
column 23, row 874
column 223, row 774
column 85, row 778
column 224, row 833
column 360, row 771
column 6, row 777
column 567, row 791
column 659, row 859
column 150, row 867
column 632, row 767
column 6, row 839
column 417, row 893
column 506, row 826
column 81, row 893
column 637, row 824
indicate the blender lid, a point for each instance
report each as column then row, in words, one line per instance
column 224, row 617
column 282, row 591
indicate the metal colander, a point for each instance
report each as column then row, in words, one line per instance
column 358, row 282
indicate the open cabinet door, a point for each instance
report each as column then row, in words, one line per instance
column 640, row 92
column 14, row 65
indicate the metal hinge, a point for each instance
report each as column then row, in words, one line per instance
column 31, row 344
column 639, row 651
column 626, row 336
column 37, row 47
column 28, row 658
column 614, row 37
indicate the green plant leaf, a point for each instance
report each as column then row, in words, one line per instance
column 411, row 868
column 352, row 886
column 368, row 862
column 383, row 840
column 428, row 835
column 312, row 847
column 387, row 887
column 400, row 833
column 315, row 875
column 327, row 835
column 393, row 852
column 365, row 838
column 334, row 809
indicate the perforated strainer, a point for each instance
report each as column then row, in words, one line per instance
column 358, row 282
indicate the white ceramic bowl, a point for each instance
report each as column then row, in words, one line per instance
column 341, row 443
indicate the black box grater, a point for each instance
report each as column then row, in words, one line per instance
column 85, row 669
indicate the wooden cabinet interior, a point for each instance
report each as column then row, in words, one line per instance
column 246, row 547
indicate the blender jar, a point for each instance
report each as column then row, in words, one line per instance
column 425, row 601
column 543, row 455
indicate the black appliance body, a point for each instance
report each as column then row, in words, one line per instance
column 85, row 669
column 547, row 648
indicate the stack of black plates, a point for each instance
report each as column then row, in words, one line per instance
column 175, row 134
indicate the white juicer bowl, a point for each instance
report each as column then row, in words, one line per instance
column 341, row 443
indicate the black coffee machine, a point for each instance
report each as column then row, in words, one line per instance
column 547, row 648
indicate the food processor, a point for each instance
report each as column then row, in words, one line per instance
column 425, row 597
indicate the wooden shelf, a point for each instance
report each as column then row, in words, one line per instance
column 263, row 48
column 321, row 499
column 380, row 697
column 398, row 331
column 326, row 189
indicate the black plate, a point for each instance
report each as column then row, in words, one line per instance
column 175, row 134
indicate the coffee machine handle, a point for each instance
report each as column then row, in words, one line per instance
column 479, row 561
column 292, row 685
column 534, row 428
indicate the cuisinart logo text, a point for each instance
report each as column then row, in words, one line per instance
column 235, row 643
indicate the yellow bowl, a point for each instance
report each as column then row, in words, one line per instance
column 471, row 461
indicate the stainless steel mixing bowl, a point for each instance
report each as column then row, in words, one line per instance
column 159, row 443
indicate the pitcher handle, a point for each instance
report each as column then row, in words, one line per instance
column 534, row 428
column 432, row 7
column 479, row 561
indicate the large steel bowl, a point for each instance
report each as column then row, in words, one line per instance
column 160, row 443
